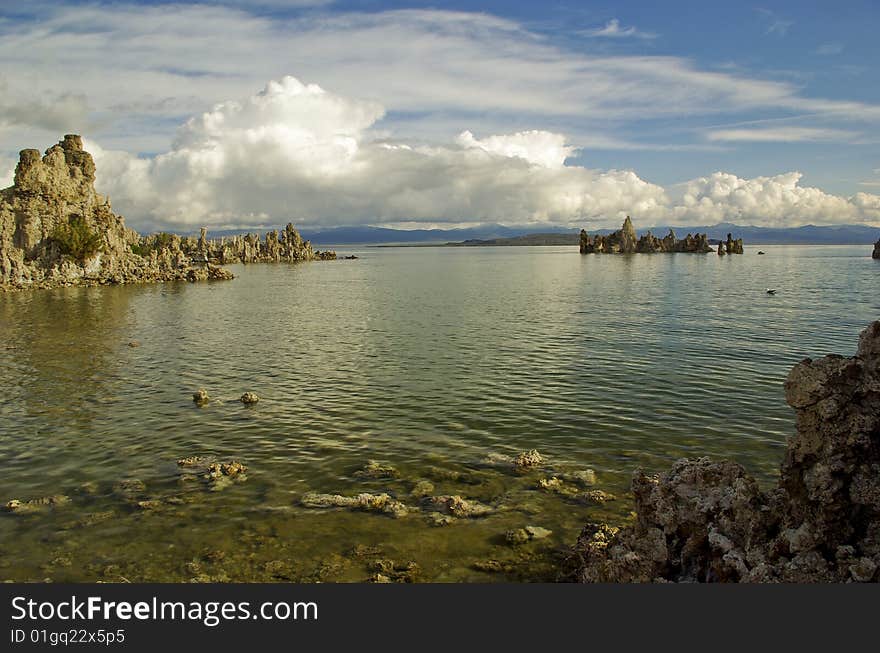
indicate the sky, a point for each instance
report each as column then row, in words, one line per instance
column 406, row 114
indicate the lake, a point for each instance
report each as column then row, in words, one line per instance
column 438, row 362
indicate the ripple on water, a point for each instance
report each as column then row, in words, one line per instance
column 420, row 358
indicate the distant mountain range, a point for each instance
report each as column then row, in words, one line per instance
column 495, row 234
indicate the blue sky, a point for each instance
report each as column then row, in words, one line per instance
column 688, row 111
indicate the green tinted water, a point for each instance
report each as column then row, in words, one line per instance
column 427, row 359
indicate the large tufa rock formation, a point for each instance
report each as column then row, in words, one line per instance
column 288, row 246
column 709, row 521
column 56, row 230
column 625, row 241
column 876, row 253
column 730, row 246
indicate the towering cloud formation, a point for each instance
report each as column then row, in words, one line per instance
column 297, row 152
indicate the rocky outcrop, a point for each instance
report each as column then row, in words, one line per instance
column 710, row 521
column 625, row 241
column 730, row 246
column 286, row 246
column 876, row 253
column 56, row 230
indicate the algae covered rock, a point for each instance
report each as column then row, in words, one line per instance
column 249, row 398
column 376, row 470
column 456, row 506
column 40, row 504
column 528, row 459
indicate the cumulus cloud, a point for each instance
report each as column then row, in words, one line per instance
column 296, row 152
column 539, row 147
column 771, row 201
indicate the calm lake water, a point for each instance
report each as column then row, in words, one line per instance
column 426, row 359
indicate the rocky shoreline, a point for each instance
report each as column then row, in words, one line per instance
column 705, row 521
column 626, row 241
column 56, row 230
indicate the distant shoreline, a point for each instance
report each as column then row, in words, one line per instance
column 492, row 243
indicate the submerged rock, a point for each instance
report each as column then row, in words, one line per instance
column 249, row 398
column 596, row 497
column 375, row 469
column 36, row 505
column 518, row 536
column 456, row 506
column 422, row 489
column 222, row 475
column 201, row 397
column 709, row 521
column 381, row 503
column 389, row 571
column 529, row 459
column 218, row 474
column 129, row 489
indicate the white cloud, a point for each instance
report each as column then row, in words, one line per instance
column 771, row 201
column 538, row 147
column 612, row 29
column 297, row 152
column 781, row 135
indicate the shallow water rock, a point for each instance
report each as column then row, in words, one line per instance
column 582, row 476
column 41, row 504
column 129, row 489
column 381, row 503
column 556, row 485
column 529, row 458
column 201, row 397
column 597, row 497
column 456, row 506
column 279, row 569
column 537, row 532
column 249, row 398
column 439, row 519
column 376, row 470
column 517, row 536
column 192, row 461
column 93, row 518
column 389, row 571
column 223, row 474
column 422, row 489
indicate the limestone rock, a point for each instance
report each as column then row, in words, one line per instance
column 456, row 506
column 625, row 241
column 529, row 459
column 55, row 230
column 249, row 398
